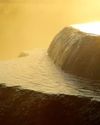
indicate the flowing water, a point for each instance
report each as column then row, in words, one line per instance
column 77, row 53
column 36, row 71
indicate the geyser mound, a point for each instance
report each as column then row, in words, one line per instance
column 77, row 52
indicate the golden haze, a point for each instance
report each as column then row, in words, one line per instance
column 29, row 24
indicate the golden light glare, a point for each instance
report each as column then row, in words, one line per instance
column 92, row 27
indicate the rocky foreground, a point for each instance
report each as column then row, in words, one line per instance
column 26, row 107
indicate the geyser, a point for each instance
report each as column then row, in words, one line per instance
column 76, row 49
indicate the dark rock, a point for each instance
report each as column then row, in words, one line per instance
column 27, row 107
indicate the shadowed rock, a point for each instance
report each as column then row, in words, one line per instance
column 77, row 53
column 26, row 107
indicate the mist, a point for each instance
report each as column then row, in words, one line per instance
column 29, row 24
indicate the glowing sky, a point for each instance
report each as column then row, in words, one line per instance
column 29, row 24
